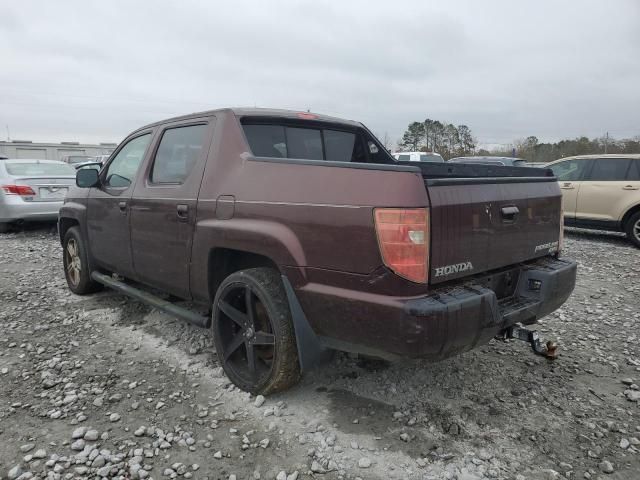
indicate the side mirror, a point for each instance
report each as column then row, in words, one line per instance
column 87, row 178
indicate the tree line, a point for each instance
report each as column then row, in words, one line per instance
column 457, row 141
column 442, row 137
column 533, row 151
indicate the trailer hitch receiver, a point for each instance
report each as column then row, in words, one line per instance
column 548, row 350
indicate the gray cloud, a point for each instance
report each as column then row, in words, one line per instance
column 93, row 71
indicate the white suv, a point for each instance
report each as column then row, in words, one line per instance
column 601, row 192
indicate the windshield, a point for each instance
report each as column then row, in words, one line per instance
column 40, row 169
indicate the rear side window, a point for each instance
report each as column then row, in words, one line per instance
column 404, row 158
column 279, row 141
column 178, row 152
column 569, row 170
column 609, row 169
column 634, row 171
column 40, row 169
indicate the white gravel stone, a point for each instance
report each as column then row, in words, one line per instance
column 606, row 466
column 78, row 444
column 91, row 435
column 79, row 432
column 364, row 462
column 114, row 417
column 14, row 473
column 259, row 401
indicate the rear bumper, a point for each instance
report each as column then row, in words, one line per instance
column 448, row 321
column 18, row 209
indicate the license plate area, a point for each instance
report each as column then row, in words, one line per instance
column 52, row 193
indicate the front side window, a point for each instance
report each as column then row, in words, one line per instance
column 609, row 169
column 123, row 168
column 178, row 152
column 569, row 170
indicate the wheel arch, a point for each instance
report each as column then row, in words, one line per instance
column 630, row 212
column 222, row 262
column 64, row 224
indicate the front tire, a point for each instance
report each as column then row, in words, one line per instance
column 253, row 332
column 632, row 228
column 4, row 227
column 76, row 264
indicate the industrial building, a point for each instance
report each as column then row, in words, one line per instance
column 52, row 151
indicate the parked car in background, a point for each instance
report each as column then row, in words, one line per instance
column 274, row 221
column 418, row 157
column 32, row 190
column 76, row 159
column 601, row 192
column 504, row 161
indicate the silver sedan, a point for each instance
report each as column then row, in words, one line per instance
column 32, row 190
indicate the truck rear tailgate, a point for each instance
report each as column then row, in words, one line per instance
column 481, row 224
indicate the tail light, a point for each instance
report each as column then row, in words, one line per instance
column 403, row 237
column 23, row 190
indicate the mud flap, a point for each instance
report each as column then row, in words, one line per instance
column 311, row 351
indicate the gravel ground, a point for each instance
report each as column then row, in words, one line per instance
column 103, row 386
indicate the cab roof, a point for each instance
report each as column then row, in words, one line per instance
column 258, row 112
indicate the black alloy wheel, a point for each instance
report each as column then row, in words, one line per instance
column 253, row 332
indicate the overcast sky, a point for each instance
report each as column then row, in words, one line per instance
column 94, row 71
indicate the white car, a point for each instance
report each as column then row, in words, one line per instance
column 418, row 157
column 32, row 190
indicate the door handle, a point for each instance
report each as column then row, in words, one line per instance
column 509, row 213
column 630, row 187
column 122, row 206
column 567, row 186
column 183, row 212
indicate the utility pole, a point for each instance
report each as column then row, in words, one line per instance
column 8, row 135
column 606, row 143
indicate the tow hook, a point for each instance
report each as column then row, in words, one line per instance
column 548, row 350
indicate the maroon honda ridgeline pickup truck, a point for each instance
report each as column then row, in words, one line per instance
column 301, row 234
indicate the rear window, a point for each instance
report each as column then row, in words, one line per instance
column 40, row 169
column 280, row 141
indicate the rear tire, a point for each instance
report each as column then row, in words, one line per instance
column 253, row 332
column 76, row 264
column 632, row 228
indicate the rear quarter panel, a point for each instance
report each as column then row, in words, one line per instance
column 296, row 214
